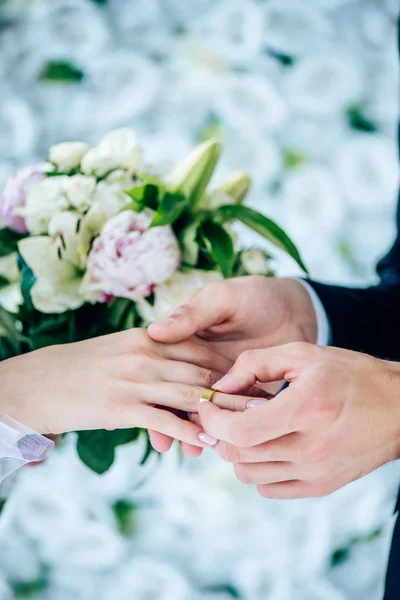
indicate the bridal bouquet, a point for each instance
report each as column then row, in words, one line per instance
column 93, row 243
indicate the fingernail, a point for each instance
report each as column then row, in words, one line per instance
column 176, row 312
column 227, row 383
column 207, row 439
column 254, row 403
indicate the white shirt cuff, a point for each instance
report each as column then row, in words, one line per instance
column 19, row 446
column 323, row 326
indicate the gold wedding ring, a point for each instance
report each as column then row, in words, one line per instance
column 207, row 395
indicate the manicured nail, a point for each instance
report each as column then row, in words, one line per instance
column 256, row 402
column 228, row 383
column 207, row 439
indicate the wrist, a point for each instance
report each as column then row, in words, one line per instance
column 302, row 319
column 391, row 397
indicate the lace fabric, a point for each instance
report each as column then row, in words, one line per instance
column 19, row 446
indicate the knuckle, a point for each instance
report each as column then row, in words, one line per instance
column 228, row 452
column 206, row 355
column 245, row 358
column 189, row 397
column 314, row 452
column 207, row 377
column 140, row 359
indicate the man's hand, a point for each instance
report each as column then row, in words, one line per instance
column 237, row 315
column 242, row 314
column 338, row 420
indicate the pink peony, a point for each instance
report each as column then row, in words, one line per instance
column 14, row 196
column 128, row 259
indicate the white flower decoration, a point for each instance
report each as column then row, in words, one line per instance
column 116, row 150
column 325, row 83
column 68, row 155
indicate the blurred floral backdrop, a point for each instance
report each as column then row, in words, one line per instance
column 305, row 96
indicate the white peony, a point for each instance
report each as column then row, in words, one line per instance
column 116, row 150
column 128, row 259
column 172, row 292
column 68, row 155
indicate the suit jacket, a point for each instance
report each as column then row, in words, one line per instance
column 368, row 320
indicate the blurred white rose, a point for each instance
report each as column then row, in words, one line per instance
column 232, row 31
column 116, row 150
column 133, row 84
column 246, row 98
column 172, row 292
column 312, row 199
column 367, row 168
column 18, row 125
column 108, row 201
column 79, row 190
column 325, row 83
column 70, row 25
column 293, row 27
column 68, row 155
column 144, row 578
column 88, row 545
column 255, row 262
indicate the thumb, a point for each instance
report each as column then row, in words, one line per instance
column 271, row 364
column 201, row 310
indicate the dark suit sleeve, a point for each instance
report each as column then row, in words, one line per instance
column 367, row 320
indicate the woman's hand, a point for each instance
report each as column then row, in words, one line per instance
column 338, row 420
column 114, row 382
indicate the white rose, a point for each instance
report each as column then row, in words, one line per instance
column 169, row 294
column 324, row 83
column 108, row 201
column 43, row 200
column 116, row 150
column 79, row 191
column 255, row 262
column 68, row 155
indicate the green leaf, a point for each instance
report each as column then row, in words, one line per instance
column 285, row 59
column 9, row 241
column 189, row 243
column 143, row 196
column 262, row 225
column 223, row 588
column 125, row 513
column 61, row 71
column 27, row 282
column 340, row 556
column 358, row 121
column 148, row 452
column 220, row 246
column 96, row 448
column 170, row 208
column 52, row 330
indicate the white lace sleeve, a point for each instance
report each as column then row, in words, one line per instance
column 19, row 445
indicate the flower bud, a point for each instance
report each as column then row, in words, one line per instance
column 191, row 176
